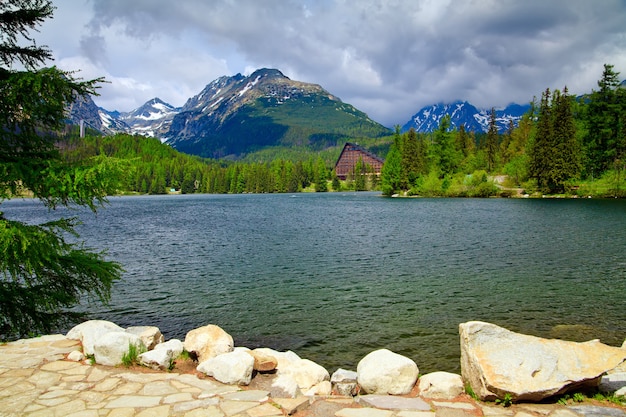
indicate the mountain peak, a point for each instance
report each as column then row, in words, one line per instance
column 464, row 113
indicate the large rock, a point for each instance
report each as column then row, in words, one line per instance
column 283, row 359
column 441, row 385
column 149, row 335
column 111, row 347
column 208, row 341
column 306, row 373
column 284, row 386
column 163, row 355
column 344, row 382
column 386, row 372
column 229, row 368
column 263, row 362
column 496, row 362
column 90, row 331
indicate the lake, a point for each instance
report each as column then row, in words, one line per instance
column 333, row 276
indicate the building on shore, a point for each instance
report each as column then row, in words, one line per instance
column 350, row 155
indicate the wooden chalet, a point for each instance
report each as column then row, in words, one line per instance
column 350, row 155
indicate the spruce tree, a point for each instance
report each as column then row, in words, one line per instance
column 43, row 275
column 491, row 146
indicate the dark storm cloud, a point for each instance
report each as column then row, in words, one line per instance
column 389, row 58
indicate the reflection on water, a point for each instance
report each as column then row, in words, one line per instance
column 334, row 276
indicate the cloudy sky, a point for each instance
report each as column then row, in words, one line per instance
column 388, row 58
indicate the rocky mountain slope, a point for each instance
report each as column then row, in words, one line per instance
column 235, row 115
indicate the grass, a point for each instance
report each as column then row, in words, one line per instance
column 130, row 357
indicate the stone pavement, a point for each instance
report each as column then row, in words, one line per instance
column 37, row 380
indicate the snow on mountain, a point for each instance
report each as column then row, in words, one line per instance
column 464, row 113
column 151, row 119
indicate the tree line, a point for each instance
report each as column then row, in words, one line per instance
column 562, row 145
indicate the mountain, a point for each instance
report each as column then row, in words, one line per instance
column 152, row 119
column 95, row 117
column 236, row 115
column 463, row 112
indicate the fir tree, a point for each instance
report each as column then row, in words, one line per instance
column 43, row 275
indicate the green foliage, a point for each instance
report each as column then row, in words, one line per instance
column 131, row 356
column 506, row 400
column 391, row 173
column 470, row 391
column 42, row 275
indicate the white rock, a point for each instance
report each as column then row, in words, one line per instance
column 386, row 372
column 306, row 373
column 613, row 382
column 343, row 375
column 75, row 356
column 111, row 347
column 441, row 385
column 283, row 358
column 208, row 341
column 157, row 358
column 284, row 386
column 149, row 335
column 175, row 345
column 229, row 368
column 89, row 331
column 324, row 388
column 496, row 362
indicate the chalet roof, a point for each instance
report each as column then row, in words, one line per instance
column 356, row 147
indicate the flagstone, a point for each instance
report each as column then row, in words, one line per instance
column 162, row 411
column 250, row 395
column 264, row 410
column 85, row 413
column 456, row 405
column 180, row 407
column 107, row 385
column 134, row 401
column 17, row 389
column 128, row 388
column 64, row 409
column 178, row 398
column 205, row 412
column 363, row 412
column 231, row 407
column 291, row 405
column 121, row 412
column 158, row 388
column 58, row 366
column 50, row 402
column 416, row 414
column 92, row 397
column 58, row 393
column 97, row 374
column 44, row 379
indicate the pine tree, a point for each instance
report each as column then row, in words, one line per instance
column 492, row 142
column 391, row 173
column 542, row 146
column 43, row 275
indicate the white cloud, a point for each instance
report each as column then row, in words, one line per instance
column 387, row 57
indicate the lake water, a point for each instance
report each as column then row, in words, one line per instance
column 334, row 276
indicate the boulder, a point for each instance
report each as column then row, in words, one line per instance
column 90, row 331
column 344, row 382
column 263, row 362
column 284, row 386
column 283, row 359
column 386, row 372
column 441, row 385
column 207, row 342
column 163, row 355
column 229, row 368
column 149, row 335
column 496, row 361
column 111, row 347
column 305, row 372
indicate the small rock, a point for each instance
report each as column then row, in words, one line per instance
column 75, row 356
column 229, row 368
column 90, row 331
column 207, row 342
column 161, row 359
column 613, row 382
column 149, row 335
column 175, row 345
column 386, row 372
column 344, row 382
column 441, row 385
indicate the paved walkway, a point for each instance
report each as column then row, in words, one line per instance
column 37, row 380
